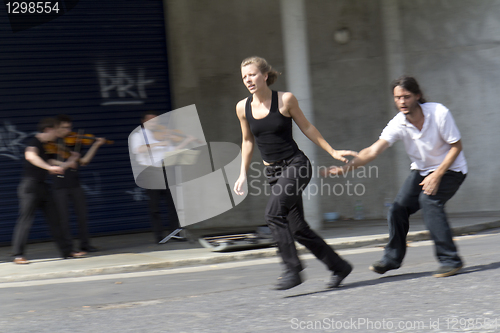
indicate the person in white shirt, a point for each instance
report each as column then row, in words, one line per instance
column 149, row 145
column 433, row 143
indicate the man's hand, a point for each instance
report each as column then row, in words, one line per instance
column 100, row 141
column 430, row 184
column 162, row 144
column 74, row 156
column 55, row 170
column 333, row 170
column 73, row 165
column 339, row 155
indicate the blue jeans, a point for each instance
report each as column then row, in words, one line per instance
column 409, row 200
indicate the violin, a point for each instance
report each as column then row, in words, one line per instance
column 74, row 138
column 57, row 149
column 162, row 133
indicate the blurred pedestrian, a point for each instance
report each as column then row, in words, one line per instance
column 34, row 192
column 150, row 144
column 433, row 143
column 266, row 118
column 67, row 189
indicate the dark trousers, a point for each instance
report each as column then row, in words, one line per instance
column 409, row 200
column 34, row 195
column 155, row 197
column 285, row 214
column 76, row 195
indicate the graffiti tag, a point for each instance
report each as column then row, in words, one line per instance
column 11, row 141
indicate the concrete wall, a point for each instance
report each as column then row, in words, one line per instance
column 349, row 88
column 453, row 47
column 207, row 42
column 450, row 46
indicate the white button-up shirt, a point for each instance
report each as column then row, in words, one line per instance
column 427, row 148
column 157, row 153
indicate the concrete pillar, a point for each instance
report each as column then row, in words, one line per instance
column 395, row 65
column 293, row 21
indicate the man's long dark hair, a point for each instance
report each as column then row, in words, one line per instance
column 409, row 83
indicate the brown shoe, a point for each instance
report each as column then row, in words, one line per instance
column 445, row 271
column 21, row 261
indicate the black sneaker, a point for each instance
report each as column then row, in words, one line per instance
column 445, row 271
column 380, row 268
column 340, row 276
column 288, row 280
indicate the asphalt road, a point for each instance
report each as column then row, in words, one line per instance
column 237, row 297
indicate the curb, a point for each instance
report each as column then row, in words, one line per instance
column 221, row 257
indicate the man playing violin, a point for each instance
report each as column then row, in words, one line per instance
column 34, row 193
column 68, row 188
column 149, row 146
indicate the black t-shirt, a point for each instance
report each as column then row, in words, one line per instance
column 70, row 179
column 32, row 171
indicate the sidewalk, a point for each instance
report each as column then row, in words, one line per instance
column 137, row 252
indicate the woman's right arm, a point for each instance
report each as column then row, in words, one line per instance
column 247, row 146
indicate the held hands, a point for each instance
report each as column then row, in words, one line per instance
column 430, row 184
column 238, row 186
column 339, row 155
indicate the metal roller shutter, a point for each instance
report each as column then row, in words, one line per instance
column 101, row 62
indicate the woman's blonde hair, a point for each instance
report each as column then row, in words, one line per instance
column 264, row 68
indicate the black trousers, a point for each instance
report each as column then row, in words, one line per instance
column 285, row 214
column 76, row 195
column 155, row 198
column 34, row 195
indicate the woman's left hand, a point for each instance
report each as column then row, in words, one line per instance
column 339, row 155
column 238, row 186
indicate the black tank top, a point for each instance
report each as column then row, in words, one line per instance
column 273, row 133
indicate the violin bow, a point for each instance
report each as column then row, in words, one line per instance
column 78, row 145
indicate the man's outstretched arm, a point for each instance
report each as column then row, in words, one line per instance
column 365, row 156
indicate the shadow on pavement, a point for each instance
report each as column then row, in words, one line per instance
column 384, row 279
column 401, row 277
column 479, row 268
